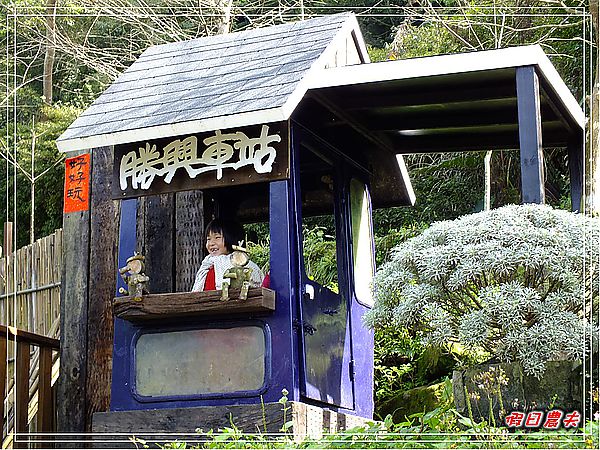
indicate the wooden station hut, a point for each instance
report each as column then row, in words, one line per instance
column 272, row 126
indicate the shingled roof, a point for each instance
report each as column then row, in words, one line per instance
column 214, row 82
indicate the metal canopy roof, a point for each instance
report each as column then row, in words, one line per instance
column 223, row 81
column 447, row 103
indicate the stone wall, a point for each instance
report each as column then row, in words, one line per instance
column 506, row 387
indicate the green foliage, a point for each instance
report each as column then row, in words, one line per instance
column 378, row 54
column 319, row 249
column 41, row 129
column 438, row 429
column 450, row 26
column 259, row 253
column 396, row 356
column 446, row 187
column 508, row 281
column 393, row 237
column 418, row 39
column 377, row 18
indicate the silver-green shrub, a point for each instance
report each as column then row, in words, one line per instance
column 517, row 282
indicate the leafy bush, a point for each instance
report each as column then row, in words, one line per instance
column 446, row 186
column 320, row 257
column 509, row 281
column 385, row 244
column 421, row 431
column 396, row 357
column 259, row 253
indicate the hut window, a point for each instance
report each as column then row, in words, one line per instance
column 318, row 220
column 362, row 242
column 206, row 361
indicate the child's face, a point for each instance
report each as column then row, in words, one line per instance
column 215, row 244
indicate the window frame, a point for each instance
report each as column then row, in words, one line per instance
column 205, row 326
column 366, row 192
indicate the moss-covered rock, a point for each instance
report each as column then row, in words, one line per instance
column 508, row 389
column 416, row 400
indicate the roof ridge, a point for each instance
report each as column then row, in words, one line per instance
column 243, row 34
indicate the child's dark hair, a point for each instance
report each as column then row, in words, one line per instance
column 232, row 231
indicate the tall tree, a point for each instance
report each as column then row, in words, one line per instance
column 50, row 50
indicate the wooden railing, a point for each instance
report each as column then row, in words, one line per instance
column 46, row 407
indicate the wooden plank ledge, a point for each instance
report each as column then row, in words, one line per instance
column 307, row 421
column 193, row 304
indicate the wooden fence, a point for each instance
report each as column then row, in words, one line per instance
column 30, row 309
column 30, row 286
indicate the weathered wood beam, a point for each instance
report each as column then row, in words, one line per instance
column 193, row 304
column 156, row 240
column 73, row 322
column 307, row 421
column 22, row 394
column 45, row 400
column 189, row 231
column 530, row 136
column 19, row 335
column 3, row 366
column 104, row 232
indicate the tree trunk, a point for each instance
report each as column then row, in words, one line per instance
column 592, row 157
column 224, row 25
column 50, row 49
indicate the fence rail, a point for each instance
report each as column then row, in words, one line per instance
column 30, row 281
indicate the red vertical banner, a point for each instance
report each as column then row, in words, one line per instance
column 77, row 183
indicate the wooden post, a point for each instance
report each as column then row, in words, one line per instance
column 8, row 238
column 45, row 410
column 104, row 236
column 22, row 394
column 530, row 136
column 3, row 364
column 156, row 238
column 189, row 226
column 71, row 388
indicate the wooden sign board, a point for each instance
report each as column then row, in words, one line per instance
column 202, row 161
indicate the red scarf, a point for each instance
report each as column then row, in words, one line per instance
column 209, row 283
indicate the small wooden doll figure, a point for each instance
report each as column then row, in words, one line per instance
column 135, row 278
column 238, row 276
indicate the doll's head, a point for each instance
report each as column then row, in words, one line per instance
column 221, row 235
